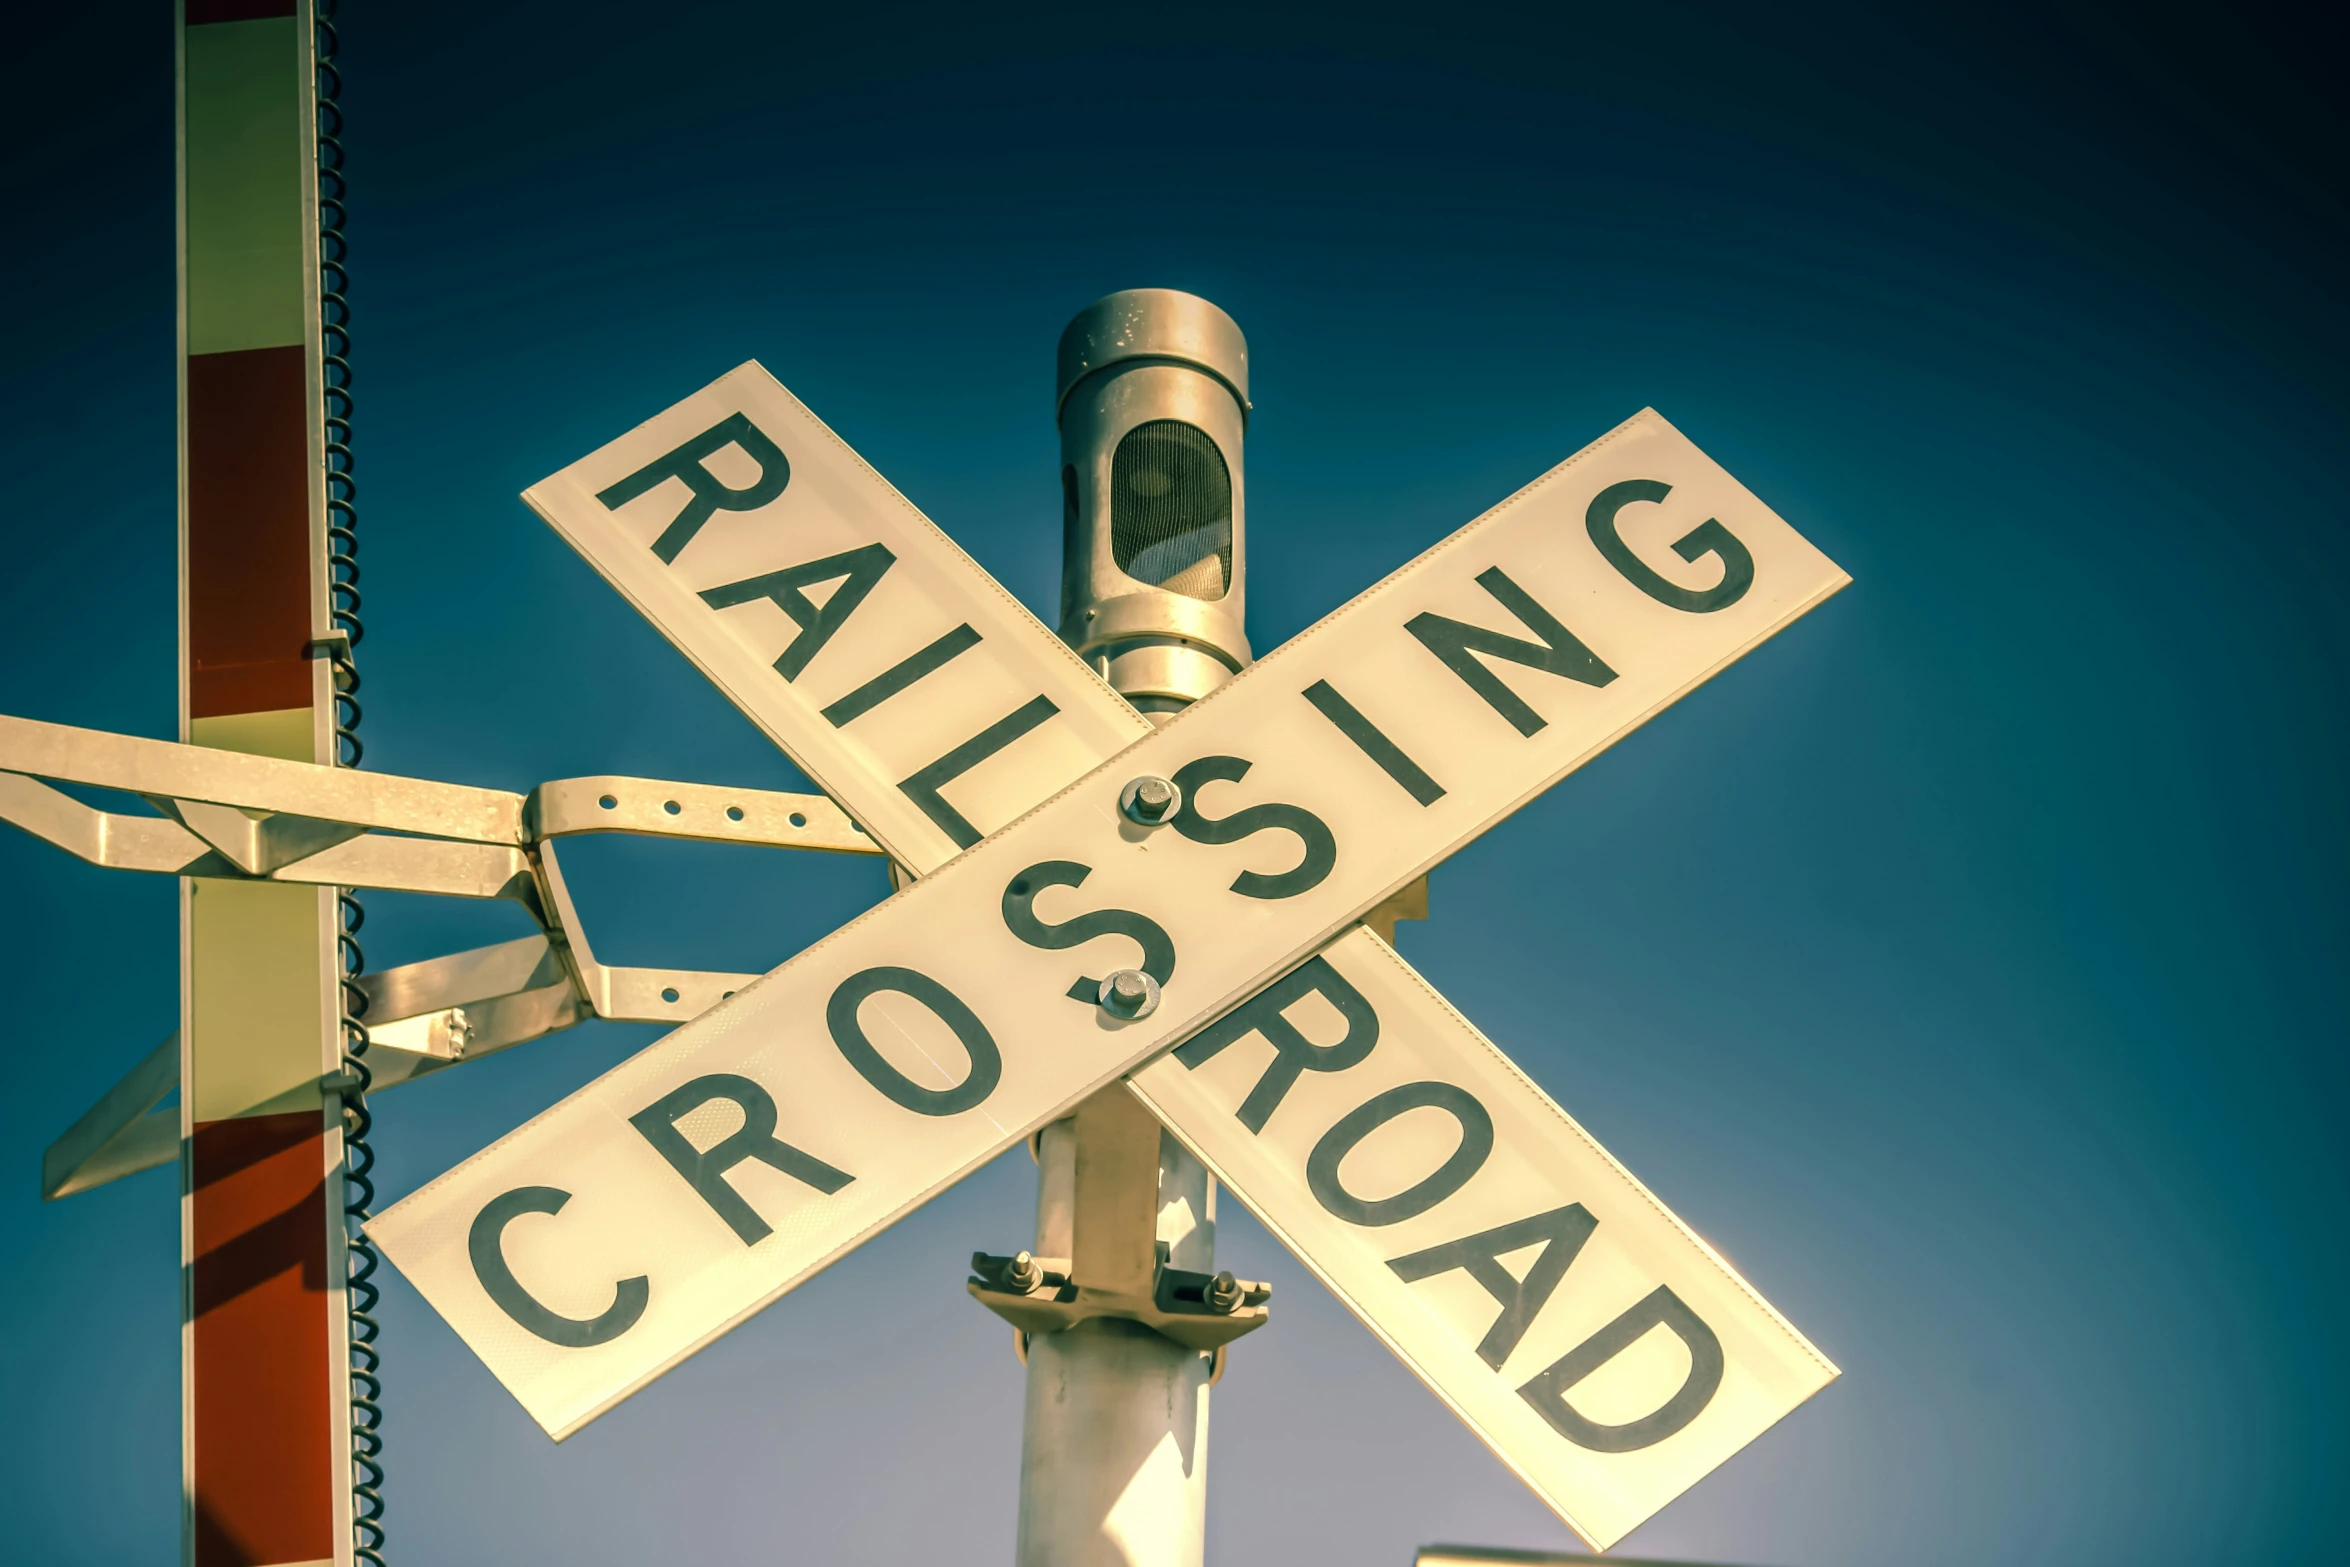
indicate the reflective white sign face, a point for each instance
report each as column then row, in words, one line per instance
column 840, row 619
column 650, row 1212
column 1604, row 1351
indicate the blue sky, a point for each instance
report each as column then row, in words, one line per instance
column 1957, row 964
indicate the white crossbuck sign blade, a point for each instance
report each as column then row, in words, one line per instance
column 1599, row 1346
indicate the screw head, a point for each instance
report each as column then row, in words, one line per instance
column 1130, row 993
column 1151, row 801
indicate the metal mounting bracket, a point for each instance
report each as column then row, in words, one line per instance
column 634, row 995
column 422, row 1017
column 231, row 816
column 1181, row 1305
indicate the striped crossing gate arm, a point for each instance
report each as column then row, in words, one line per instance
column 265, row 1428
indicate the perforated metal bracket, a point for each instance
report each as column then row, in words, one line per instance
column 223, row 814
column 713, row 813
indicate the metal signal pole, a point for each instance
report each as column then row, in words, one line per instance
column 1122, row 1321
column 1152, row 404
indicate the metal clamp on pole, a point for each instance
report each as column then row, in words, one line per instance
column 1203, row 1311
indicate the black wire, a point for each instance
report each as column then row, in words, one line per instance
column 342, row 534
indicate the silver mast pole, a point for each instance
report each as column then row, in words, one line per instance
column 1152, row 405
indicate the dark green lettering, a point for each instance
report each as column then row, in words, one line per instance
column 987, row 1064
column 862, row 567
column 1158, row 949
column 1661, row 1307
column 1561, row 1233
column 1293, row 1054
column 485, row 1245
column 1321, row 849
column 922, row 788
column 1559, row 652
column 705, row 1169
column 711, row 495
column 1466, row 1159
column 1707, row 538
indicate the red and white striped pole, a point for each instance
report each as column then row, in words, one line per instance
column 265, row 1390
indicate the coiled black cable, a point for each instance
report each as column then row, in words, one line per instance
column 342, row 534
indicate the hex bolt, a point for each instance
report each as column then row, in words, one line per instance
column 1150, row 800
column 1224, row 1294
column 1130, row 993
column 1023, row 1275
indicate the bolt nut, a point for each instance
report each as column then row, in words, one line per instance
column 1150, row 801
column 1224, row 1294
column 1130, row 994
column 1018, row 1274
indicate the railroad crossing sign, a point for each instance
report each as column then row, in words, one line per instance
column 1098, row 900
column 1602, row 1349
